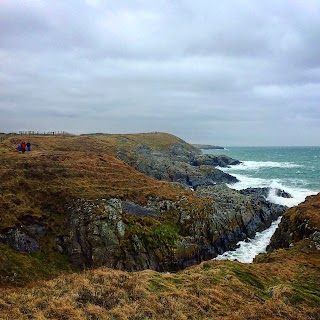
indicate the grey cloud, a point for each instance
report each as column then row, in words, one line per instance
column 232, row 73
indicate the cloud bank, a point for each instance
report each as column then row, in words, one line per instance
column 228, row 73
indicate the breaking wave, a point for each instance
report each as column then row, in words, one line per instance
column 249, row 249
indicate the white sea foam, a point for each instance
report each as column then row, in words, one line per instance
column 249, row 174
column 248, row 182
column 298, row 194
column 247, row 250
column 256, row 165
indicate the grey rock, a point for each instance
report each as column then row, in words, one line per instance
column 188, row 167
column 178, row 152
column 264, row 192
column 214, row 160
column 97, row 233
column 20, row 241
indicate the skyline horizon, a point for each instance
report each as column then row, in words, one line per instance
column 239, row 73
column 79, row 133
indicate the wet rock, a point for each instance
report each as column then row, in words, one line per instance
column 252, row 214
column 264, row 192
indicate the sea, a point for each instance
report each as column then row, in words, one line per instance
column 295, row 170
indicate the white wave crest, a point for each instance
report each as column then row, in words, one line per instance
column 256, row 165
column 298, row 194
column 248, row 182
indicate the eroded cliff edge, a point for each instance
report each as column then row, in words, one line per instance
column 163, row 235
column 299, row 223
column 95, row 200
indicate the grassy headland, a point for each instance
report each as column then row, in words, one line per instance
column 35, row 186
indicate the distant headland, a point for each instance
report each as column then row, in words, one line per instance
column 206, row 146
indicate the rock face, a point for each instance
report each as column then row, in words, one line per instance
column 189, row 168
column 20, row 240
column 99, row 235
column 163, row 235
column 212, row 160
column 298, row 223
column 264, row 192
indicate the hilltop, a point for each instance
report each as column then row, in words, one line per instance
column 206, row 146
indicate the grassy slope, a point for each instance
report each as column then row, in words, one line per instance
column 286, row 288
column 36, row 185
column 284, row 285
column 61, row 168
column 158, row 141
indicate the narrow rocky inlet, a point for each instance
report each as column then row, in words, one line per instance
column 248, row 249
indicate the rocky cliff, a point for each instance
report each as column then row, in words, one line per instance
column 162, row 235
column 298, row 223
column 72, row 197
column 179, row 164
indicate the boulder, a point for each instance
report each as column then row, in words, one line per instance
column 264, row 192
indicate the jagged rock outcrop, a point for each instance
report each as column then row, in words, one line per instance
column 100, row 235
column 162, row 235
column 179, row 165
column 298, row 223
column 214, row 160
column 264, row 192
column 256, row 214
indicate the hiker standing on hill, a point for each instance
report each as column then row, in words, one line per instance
column 28, row 146
column 23, row 146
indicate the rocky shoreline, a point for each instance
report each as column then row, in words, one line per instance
column 162, row 234
column 207, row 146
column 190, row 168
column 108, row 238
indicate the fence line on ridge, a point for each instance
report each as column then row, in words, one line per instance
column 4, row 136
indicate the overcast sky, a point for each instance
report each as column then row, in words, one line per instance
column 220, row 72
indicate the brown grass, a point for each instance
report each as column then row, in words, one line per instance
column 35, row 186
column 211, row 290
column 284, row 285
column 61, row 168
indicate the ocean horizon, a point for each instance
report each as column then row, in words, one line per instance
column 293, row 169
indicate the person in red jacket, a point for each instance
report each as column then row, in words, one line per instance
column 23, row 146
